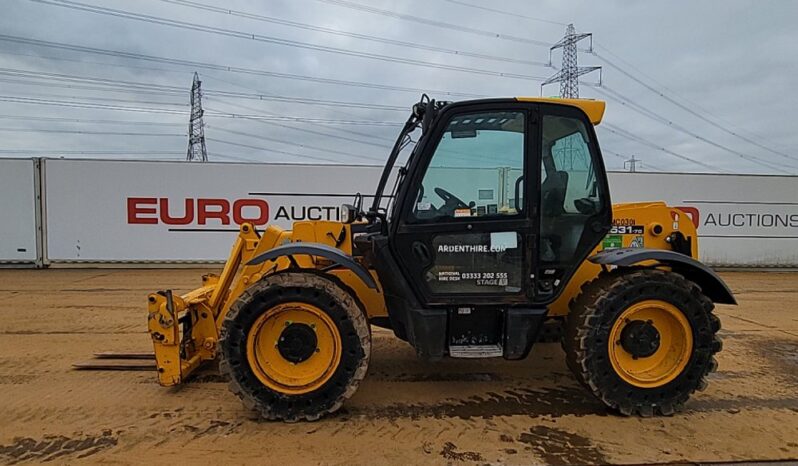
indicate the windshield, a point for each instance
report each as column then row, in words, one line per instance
column 476, row 170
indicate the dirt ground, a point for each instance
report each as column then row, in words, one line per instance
column 406, row 412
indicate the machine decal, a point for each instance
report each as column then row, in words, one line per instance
column 612, row 242
column 462, row 213
column 623, row 222
column 476, row 263
column 627, row 230
column 469, row 248
column 637, row 242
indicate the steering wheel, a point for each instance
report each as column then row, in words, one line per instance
column 450, row 202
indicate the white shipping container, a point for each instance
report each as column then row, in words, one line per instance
column 18, row 211
column 110, row 211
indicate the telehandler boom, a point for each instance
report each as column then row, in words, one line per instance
column 499, row 222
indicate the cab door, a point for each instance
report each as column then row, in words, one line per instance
column 466, row 230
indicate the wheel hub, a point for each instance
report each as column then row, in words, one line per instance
column 650, row 343
column 640, row 338
column 294, row 348
column 297, row 342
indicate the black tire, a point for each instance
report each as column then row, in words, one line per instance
column 333, row 298
column 592, row 316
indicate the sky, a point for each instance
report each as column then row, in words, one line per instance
column 691, row 86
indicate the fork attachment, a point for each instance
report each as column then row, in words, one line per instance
column 183, row 331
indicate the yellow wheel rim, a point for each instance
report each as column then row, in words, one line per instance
column 266, row 352
column 668, row 360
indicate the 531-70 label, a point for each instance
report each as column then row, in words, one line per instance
column 627, row 230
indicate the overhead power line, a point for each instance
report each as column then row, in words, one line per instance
column 318, row 133
column 319, row 125
column 89, row 121
column 627, row 135
column 270, row 150
column 296, row 144
column 73, row 104
column 695, row 105
column 690, row 109
column 369, row 135
column 45, row 82
column 355, row 35
column 505, row 12
column 94, row 98
column 226, row 68
column 234, row 158
column 87, row 152
column 106, row 133
column 71, row 78
column 303, row 119
column 625, row 101
column 275, row 40
column 686, row 108
column 127, row 86
column 435, row 23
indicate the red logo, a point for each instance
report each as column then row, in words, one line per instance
column 691, row 212
column 152, row 211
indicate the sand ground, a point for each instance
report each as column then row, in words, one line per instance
column 406, row 412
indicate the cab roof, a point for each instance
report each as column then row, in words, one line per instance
column 594, row 109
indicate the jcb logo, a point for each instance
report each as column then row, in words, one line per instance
column 152, row 211
column 692, row 213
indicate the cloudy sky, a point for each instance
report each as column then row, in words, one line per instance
column 691, row 86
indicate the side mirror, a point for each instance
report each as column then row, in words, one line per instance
column 349, row 213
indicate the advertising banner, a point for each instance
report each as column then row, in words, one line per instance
column 175, row 211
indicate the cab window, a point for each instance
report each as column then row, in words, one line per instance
column 476, row 169
column 569, row 192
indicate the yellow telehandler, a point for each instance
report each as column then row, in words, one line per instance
column 498, row 223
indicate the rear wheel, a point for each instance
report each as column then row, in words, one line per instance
column 295, row 346
column 642, row 341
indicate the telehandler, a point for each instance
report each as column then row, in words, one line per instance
column 499, row 222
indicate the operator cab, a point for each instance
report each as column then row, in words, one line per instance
column 497, row 205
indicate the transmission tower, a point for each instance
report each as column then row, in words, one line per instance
column 632, row 164
column 568, row 75
column 196, row 128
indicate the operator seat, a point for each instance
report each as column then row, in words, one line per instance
column 552, row 193
column 552, row 201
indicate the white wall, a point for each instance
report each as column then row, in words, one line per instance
column 91, row 216
column 17, row 211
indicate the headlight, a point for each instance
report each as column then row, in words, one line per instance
column 348, row 213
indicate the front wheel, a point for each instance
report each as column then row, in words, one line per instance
column 295, row 346
column 642, row 341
